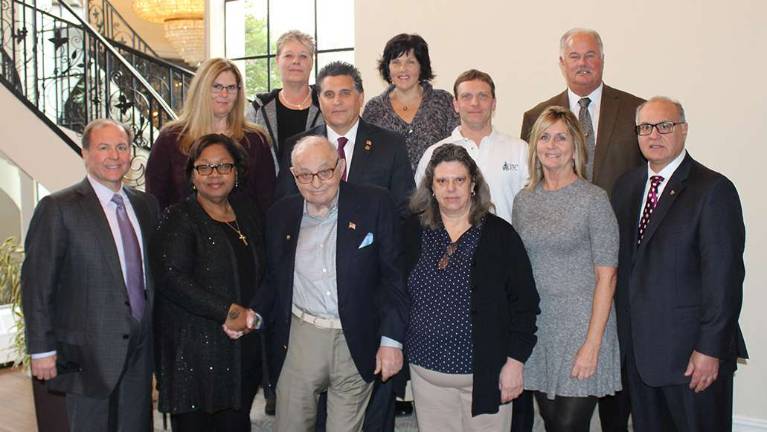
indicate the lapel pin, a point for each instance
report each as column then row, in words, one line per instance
column 368, row 145
column 352, row 226
column 672, row 192
column 287, row 237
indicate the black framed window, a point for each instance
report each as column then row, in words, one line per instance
column 253, row 26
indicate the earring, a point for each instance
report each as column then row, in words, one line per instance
column 473, row 192
column 236, row 182
column 194, row 188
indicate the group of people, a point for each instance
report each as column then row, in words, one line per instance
column 298, row 243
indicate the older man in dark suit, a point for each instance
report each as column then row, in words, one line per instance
column 680, row 280
column 86, row 291
column 373, row 155
column 334, row 292
column 606, row 115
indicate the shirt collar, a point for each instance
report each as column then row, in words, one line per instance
column 103, row 193
column 351, row 134
column 458, row 136
column 595, row 96
column 669, row 169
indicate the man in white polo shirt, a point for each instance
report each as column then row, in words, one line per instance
column 501, row 158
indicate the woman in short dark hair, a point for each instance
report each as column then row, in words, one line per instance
column 208, row 260
column 473, row 301
column 410, row 106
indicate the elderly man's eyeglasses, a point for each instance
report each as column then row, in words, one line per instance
column 219, row 88
column 665, row 127
column 207, row 169
column 326, row 174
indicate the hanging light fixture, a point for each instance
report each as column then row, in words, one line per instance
column 183, row 23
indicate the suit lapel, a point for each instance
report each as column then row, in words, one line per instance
column 676, row 184
column 346, row 235
column 93, row 212
column 564, row 101
column 363, row 147
column 289, row 235
column 608, row 112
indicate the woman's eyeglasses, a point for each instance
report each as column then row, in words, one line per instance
column 207, row 169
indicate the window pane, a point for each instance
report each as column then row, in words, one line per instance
column 255, row 29
column 325, row 58
column 256, row 77
column 335, row 24
column 290, row 15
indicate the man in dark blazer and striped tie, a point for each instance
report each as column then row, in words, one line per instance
column 87, row 293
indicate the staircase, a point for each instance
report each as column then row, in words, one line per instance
column 69, row 71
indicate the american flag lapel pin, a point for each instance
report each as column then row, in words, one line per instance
column 352, row 226
column 368, row 145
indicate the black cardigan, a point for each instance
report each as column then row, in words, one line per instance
column 504, row 304
column 195, row 270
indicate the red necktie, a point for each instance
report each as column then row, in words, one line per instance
column 341, row 155
column 649, row 206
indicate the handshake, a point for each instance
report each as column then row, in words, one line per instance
column 240, row 321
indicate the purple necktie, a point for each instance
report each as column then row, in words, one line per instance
column 341, row 155
column 649, row 206
column 134, row 271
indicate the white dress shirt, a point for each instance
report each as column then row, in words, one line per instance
column 666, row 173
column 594, row 107
column 350, row 135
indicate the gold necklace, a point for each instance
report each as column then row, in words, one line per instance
column 293, row 106
column 236, row 229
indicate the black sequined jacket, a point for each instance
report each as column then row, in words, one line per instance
column 198, row 367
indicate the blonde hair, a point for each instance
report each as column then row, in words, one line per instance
column 296, row 36
column 196, row 117
column 548, row 117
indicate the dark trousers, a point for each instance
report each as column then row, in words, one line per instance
column 129, row 406
column 379, row 415
column 677, row 408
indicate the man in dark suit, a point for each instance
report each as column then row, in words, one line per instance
column 680, row 280
column 87, row 294
column 608, row 115
column 334, row 291
column 373, row 155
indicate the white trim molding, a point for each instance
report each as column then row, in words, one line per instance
column 745, row 424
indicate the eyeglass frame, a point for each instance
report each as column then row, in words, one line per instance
column 219, row 88
column 331, row 171
column 655, row 126
column 228, row 166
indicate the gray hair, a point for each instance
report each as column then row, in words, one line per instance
column 309, row 142
column 576, row 31
column 679, row 107
column 425, row 205
column 338, row 68
column 296, row 36
column 100, row 123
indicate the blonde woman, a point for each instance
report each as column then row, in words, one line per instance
column 215, row 104
column 571, row 237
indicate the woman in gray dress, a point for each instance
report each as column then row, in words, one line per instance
column 571, row 236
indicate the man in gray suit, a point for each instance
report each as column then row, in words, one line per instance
column 86, row 291
column 606, row 116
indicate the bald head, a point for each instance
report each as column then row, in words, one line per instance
column 313, row 144
column 317, row 171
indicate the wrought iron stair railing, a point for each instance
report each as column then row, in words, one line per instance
column 72, row 74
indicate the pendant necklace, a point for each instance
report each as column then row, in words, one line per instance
column 236, row 229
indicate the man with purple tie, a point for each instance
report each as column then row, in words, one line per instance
column 87, row 293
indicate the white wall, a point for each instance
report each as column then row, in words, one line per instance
column 709, row 55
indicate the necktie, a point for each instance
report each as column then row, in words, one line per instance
column 134, row 271
column 584, row 118
column 649, row 206
column 341, row 155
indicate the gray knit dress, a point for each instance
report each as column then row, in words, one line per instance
column 566, row 233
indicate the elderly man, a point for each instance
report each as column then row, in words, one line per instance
column 334, row 291
column 373, row 155
column 501, row 158
column 87, row 292
column 680, row 280
column 606, row 114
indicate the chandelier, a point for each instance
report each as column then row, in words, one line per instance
column 183, row 23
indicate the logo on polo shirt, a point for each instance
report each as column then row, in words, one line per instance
column 510, row 166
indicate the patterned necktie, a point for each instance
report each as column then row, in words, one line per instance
column 341, row 155
column 134, row 271
column 649, row 206
column 584, row 118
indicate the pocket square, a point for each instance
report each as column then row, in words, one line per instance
column 367, row 241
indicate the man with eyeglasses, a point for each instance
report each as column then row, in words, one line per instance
column 501, row 158
column 335, row 291
column 373, row 155
column 680, row 280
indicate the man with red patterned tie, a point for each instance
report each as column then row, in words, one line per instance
column 680, row 280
